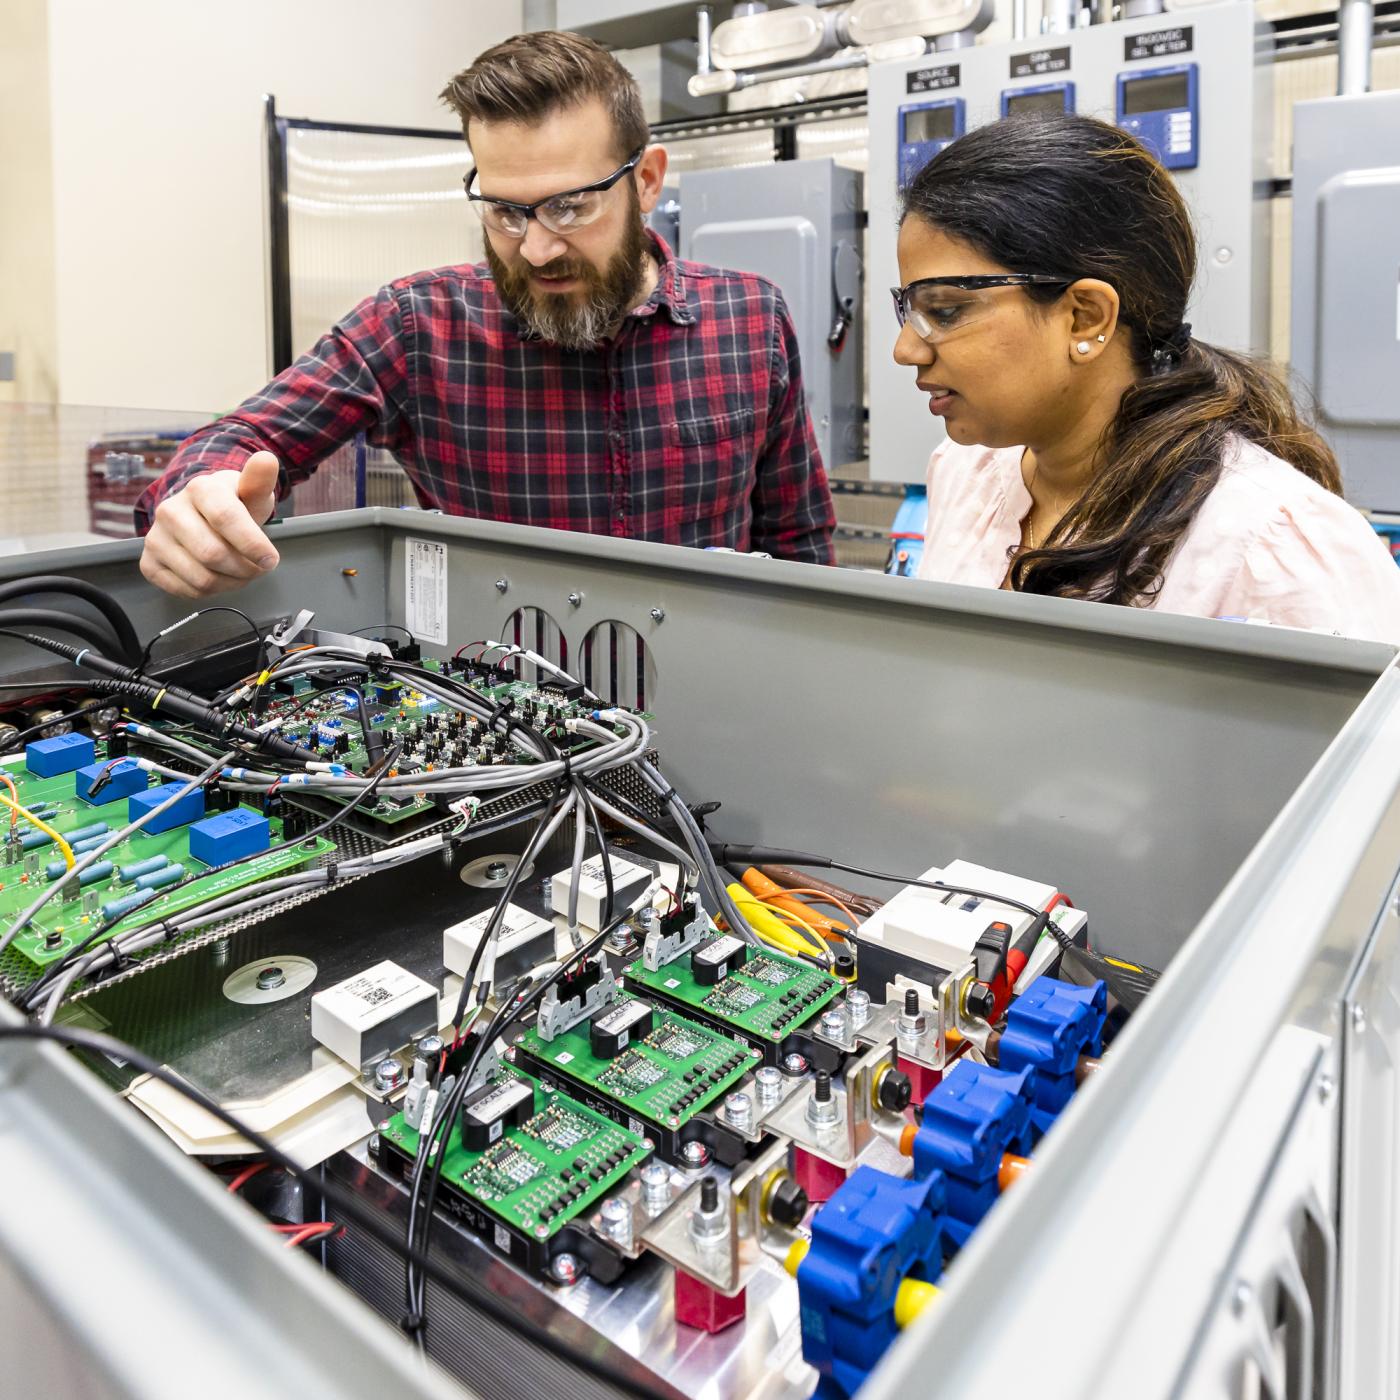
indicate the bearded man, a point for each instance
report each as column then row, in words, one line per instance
column 582, row 378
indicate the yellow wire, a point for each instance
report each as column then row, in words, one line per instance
column 818, row 946
column 44, row 827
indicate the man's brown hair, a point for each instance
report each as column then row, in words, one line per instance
column 532, row 75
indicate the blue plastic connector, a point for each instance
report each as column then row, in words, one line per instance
column 229, row 835
column 125, row 778
column 975, row 1116
column 188, row 809
column 875, row 1232
column 1048, row 1027
column 64, row 753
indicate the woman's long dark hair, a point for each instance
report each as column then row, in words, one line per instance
column 1072, row 197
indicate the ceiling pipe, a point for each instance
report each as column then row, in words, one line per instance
column 1355, row 32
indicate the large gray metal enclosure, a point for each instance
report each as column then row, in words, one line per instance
column 1224, row 799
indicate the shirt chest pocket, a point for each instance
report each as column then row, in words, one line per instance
column 711, row 462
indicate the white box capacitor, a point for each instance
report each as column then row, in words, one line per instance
column 374, row 1012
column 593, row 889
column 518, row 927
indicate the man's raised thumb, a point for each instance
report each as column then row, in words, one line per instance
column 257, row 485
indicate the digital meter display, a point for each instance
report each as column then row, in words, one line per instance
column 1020, row 102
column 930, row 124
column 1166, row 93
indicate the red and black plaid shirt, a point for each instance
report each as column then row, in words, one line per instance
column 689, row 426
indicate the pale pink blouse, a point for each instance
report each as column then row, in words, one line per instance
column 1268, row 545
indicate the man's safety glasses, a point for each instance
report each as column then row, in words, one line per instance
column 560, row 213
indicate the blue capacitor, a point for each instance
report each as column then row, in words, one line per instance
column 128, row 873
column 83, row 832
column 158, row 879
column 116, row 908
column 93, row 873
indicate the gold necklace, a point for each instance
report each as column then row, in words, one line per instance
column 1030, row 525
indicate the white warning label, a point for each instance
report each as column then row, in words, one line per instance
column 425, row 590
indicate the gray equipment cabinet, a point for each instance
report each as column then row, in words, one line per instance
column 1346, row 304
column 1217, row 1209
column 798, row 224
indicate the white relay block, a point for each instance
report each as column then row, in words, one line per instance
column 941, row 929
column 374, row 1012
column 518, row 927
column 593, row 889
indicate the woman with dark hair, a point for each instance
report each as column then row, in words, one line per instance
column 1095, row 450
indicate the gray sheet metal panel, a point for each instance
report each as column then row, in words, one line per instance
column 128, row 1271
column 1074, row 1267
column 906, row 723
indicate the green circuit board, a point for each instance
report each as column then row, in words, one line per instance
column 666, row 1076
column 538, row 1175
column 71, row 916
column 768, row 997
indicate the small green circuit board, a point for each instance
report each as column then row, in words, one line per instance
column 666, row 1076
column 540, row 1174
column 75, row 913
column 767, row 998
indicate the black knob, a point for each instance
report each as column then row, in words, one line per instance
column 821, row 1091
column 911, row 1002
column 980, row 1002
column 894, row 1091
column 709, row 1195
column 844, row 966
column 787, row 1203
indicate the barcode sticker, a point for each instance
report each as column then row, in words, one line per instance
column 425, row 590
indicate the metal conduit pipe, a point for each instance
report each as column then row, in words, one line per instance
column 704, row 21
column 1019, row 19
column 1355, row 32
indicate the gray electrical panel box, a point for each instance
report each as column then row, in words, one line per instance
column 1346, row 283
column 798, row 224
column 1188, row 84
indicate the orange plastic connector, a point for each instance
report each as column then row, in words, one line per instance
column 1012, row 1169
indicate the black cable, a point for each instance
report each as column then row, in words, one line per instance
column 123, row 632
column 90, row 632
column 726, row 853
column 346, row 1202
column 397, row 626
column 258, row 637
column 447, row 1116
column 91, row 707
column 602, row 852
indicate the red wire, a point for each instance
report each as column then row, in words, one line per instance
column 1058, row 900
column 247, row 1174
column 308, row 1232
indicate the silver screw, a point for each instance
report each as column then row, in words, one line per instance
column 429, row 1048
column 372, row 1146
column 1358, row 1019
column 695, row 1154
column 648, row 919
column 564, row 1268
column 618, row 941
column 658, row 614
column 1239, row 1299
column 656, row 1186
column 768, row 1081
column 497, row 870
column 823, row 1111
column 388, row 1075
column 794, row 1064
column 575, row 599
column 617, row 1222
column 709, row 1221
column 502, row 584
column 270, row 978
column 738, row 1110
column 1325, row 1086
column 833, row 1023
column 547, row 888
column 858, row 1007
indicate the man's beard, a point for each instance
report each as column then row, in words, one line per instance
column 577, row 320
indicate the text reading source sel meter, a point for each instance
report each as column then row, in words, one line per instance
column 1047, row 97
column 925, row 128
column 1160, row 106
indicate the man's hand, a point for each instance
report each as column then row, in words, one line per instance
column 205, row 538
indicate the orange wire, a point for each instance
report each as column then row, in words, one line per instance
column 822, row 898
column 14, row 793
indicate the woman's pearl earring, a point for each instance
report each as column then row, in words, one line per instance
column 1083, row 347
